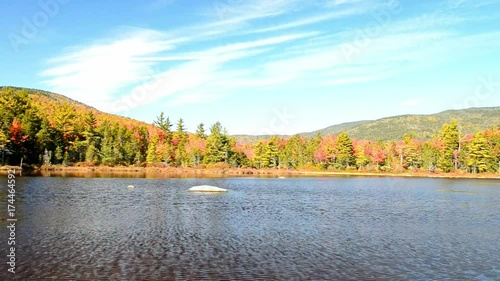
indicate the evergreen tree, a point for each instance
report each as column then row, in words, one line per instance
column 165, row 125
column 200, row 131
column 218, row 148
column 272, row 152
column 294, row 151
column 344, row 151
column 91, row 155
column 169, row 150
column 45, row 135
column 59, row 154
column 181, row 138
column 107, row 149
column 261, row 159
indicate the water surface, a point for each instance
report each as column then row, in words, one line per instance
column 335, row 228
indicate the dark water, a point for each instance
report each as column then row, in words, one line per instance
column 262, row 229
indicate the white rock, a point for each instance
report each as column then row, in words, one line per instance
column 130, row 187
column 207, row 188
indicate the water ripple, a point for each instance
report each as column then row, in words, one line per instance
column 262, row 229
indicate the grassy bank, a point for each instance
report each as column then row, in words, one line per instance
column 227, row 172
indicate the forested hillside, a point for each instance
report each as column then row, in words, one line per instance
column 422, row 126
column 49, row 129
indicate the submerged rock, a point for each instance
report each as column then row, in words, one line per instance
column 207, row 188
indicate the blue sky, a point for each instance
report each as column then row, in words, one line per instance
column 258, row 67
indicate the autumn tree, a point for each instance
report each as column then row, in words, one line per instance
column 19, row 121
column 361, row 154
column 377, row 154
column 480, row 158
column 431, row 153
column 325, row 154
column 139, row 144
column 152, row 156
column 450, row 139
column 294, row 152
column 412, row 153
column 195, row 148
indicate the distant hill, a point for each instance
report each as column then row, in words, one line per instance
column 46, row 102
column 391, row 128
column 423, row 126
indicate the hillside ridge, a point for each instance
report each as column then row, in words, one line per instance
column 424, row 126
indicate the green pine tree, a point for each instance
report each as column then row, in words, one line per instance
column 200, row 131
column 218, row 148
column 344, row 151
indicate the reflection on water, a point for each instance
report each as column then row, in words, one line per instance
column 132, row 174
column 262, row 229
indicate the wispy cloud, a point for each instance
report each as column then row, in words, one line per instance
column 234, row 12
column 237, row 48
column 92, row 74
column 308, row 21
column 207, row 69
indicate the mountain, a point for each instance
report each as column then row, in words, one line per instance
column 46, row 102
column 470, row 120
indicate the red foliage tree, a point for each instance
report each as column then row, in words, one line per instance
column 16, row 133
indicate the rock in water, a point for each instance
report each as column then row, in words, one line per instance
column 207, row 188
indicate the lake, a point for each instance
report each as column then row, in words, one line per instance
column 319, row 228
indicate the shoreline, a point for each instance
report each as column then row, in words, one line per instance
column 228, row 172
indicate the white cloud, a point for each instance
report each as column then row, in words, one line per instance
column 308, row 21
column 143, row 65
column 207, row 69
column 235, row 12
column 92, row 74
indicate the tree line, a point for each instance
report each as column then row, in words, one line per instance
column 68, row 136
